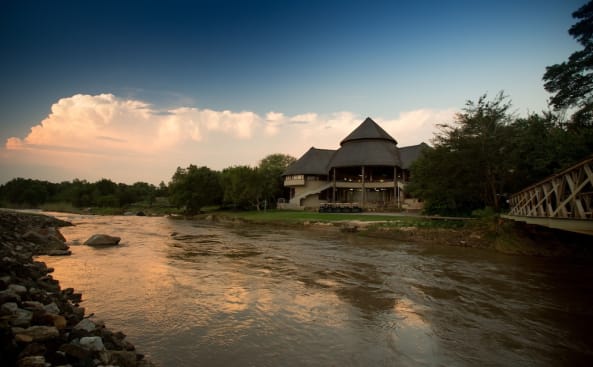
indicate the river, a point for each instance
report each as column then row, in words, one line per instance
column 191, row 293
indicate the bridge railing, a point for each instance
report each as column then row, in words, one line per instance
column 568, row 194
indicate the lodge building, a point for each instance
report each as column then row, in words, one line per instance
column 368, row 170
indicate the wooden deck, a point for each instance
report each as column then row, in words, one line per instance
column 563, row 201
column 572, row 225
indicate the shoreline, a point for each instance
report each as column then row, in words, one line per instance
column 494, row 234
column 42, row 324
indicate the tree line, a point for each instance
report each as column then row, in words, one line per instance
column 29, row 193
column 190, row 189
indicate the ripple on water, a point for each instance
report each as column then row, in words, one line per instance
column 197, row 293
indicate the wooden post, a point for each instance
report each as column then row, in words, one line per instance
column 334, row 187
column 363, row 190
column 395, row 189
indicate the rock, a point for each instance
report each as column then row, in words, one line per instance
column 102, row 240
column 10, row 307
column 17, row 288
column 86, row 325
column 33, row 349
column 40, row 333
column 75, row 351
column 123, row 358
column 35, row 237
column 59, row 252
column 92, row 343
column 18, row 316
column 52, row 308
column 22, row 318
column 349, row 228
column 8, row 295
column 33, row 305
column 78, row 312
column 52, row 232
column 60, row 322
column 32, row 361
column 22, row 338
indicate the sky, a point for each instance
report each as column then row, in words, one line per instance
column 131, row 90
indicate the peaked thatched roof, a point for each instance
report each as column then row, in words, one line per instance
column 367, row 145
column 369, row 129
column 314, row 162
column 409, row 154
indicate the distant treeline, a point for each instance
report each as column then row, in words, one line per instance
column 190, row 189
column 28, row 193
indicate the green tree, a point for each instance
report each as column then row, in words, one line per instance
column 571, row 82
column 81, row 193
column 193, row 188
column 541, row 146
column 436, row 177
column 104, row 193
column 468, row 167
column 25, row 192
column 242, row 187
column 270, row 170
column 162, row 190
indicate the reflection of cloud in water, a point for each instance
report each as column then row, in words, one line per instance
column 234, row 299
column 413, row 337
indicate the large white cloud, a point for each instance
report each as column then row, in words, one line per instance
column 94, row 136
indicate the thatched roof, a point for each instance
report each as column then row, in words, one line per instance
column 409, row 154
column 367, row 145
column 366, row 153
column 368, row 130
column 314, row 162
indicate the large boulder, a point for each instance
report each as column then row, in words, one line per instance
column 102, row 240
column 49, row 241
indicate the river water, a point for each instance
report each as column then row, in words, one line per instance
column 191, row 293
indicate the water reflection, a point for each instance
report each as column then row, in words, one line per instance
column 194, row 293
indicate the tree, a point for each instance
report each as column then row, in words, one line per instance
column 468, row 167
column 242, row 187
column 25, row 192
column 193, row 188
column 571, row 82
column 270, row 170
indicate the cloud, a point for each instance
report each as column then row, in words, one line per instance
column 413, row 127
column 95, row 136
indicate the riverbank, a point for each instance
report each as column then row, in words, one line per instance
column 40, row 323
column 491, row 233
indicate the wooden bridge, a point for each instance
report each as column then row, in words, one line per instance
column 563, row 201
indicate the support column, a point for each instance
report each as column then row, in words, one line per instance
column 334, row 187
column 395, row 188
column 364, row 191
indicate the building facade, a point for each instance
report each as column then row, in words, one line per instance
column 369, row 171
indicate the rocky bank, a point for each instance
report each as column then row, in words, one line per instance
column 40, row 323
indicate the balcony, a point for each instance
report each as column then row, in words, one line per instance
column 368, row 184
column 294, row 181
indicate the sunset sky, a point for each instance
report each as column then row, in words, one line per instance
column 130, row 90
